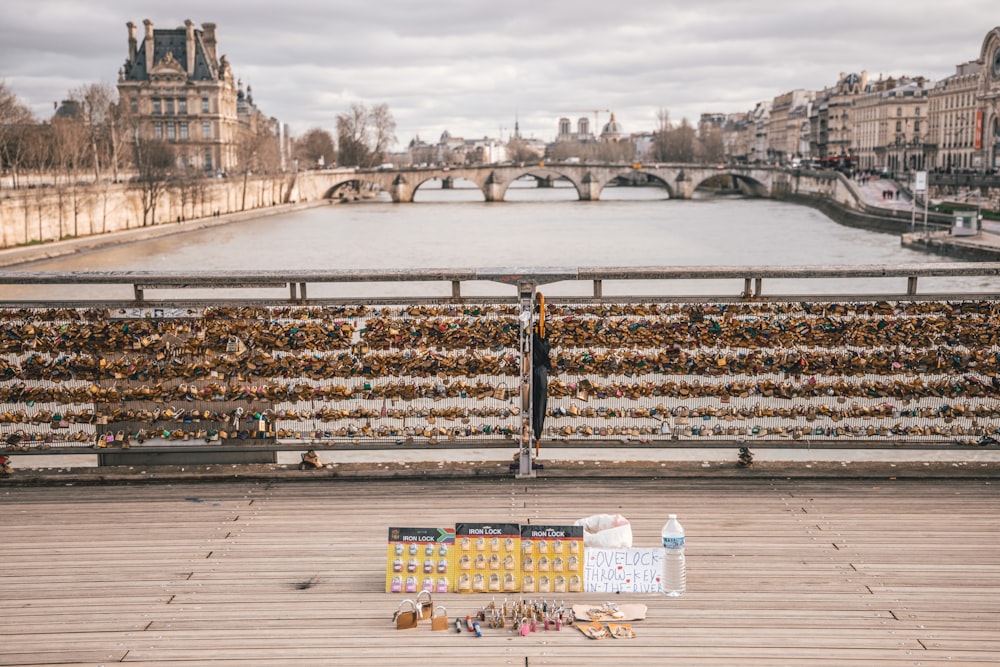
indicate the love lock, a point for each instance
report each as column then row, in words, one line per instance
column 439, row 619
column 404, row 618
column 425, row 606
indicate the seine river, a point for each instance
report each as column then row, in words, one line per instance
column 534, row 227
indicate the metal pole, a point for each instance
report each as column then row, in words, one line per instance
column 925, row 219
column 525, row 435
column 979, row 211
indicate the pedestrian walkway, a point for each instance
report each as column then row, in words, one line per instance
column 876, row 191
column 780, row 573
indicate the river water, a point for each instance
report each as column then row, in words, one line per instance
column 534, row 227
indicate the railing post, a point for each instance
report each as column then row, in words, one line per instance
column 598, row 289
column 911, row 285
column 525, row 437
column 456, row 289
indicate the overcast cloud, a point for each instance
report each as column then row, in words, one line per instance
column 471, row 67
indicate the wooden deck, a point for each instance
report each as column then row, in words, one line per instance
column 780, row 572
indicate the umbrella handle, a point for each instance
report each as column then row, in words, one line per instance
column 541, row 314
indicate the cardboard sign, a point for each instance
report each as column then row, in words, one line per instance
column 623, row 570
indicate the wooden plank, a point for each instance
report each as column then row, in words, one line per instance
column 804, row 572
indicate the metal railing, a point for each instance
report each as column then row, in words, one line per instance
column 164, row 372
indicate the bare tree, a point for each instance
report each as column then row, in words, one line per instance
column 315, row 147
column 352, row 132
column 384, row 131
column 124, row 127
column 683, row 142
column 70, row 147
column 97, row 103
column 519, row 150
column 711, row 145
column 16, row 130
column 256, row 152
column 673, row 144
column 661, row 138
column 364, row 137
column 154, row 165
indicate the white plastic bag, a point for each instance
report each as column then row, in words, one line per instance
column 606, row 531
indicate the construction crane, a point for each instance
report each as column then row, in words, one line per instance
column 597, row 126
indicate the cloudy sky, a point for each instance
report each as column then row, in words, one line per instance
column 472, row 67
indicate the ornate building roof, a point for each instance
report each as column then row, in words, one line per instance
column 613, row 130
column 172, row 49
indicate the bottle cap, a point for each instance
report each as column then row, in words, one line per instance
column 671, row 516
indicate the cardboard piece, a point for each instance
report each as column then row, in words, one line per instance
column 623, row 570
column 625, row 612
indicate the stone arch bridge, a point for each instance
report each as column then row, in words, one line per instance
column 589, row 180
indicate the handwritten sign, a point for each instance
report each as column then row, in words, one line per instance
column 623, row 570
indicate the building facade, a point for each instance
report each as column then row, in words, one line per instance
column 953, row 106
column 581, row 134
column 789, row 118
column 892, row 124
column 986, row 120
column 175, row 87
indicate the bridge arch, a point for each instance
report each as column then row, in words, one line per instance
column 539, row 173
column 662, row 179
column 448, row 182
column 356, row 188
column 741, row 182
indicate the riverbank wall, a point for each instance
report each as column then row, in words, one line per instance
column 839, row 201
column 46, row 222
column 61, row 212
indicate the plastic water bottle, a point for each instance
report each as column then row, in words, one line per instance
column 674, row 579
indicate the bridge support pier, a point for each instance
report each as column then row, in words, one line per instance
column 589, row 189
column 683, row 187
column 493, row 188
column 401, row 191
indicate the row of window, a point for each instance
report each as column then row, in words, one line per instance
column 169, row 106
column 179, row 131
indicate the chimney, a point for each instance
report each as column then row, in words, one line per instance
column 189, row 42
column 148, row 43
column 208, row 37
column 131, row 42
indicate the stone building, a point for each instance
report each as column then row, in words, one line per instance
column 613, row 131
column 179, row 89
column 952, row 119
column 891, row 125
column 830, row 119
column 582, row 133
column 789, row 113
column 986, row 121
